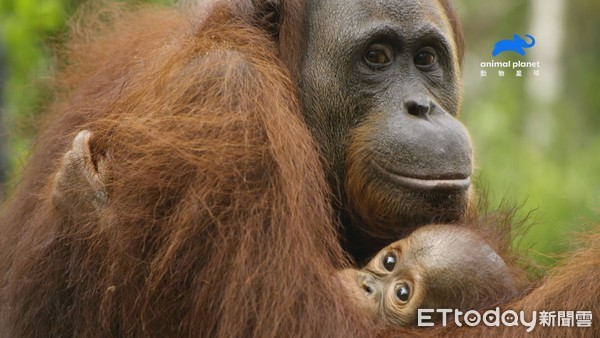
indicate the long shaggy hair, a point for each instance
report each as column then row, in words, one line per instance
column 219, row 220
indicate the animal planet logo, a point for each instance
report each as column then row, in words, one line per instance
column 517, row 45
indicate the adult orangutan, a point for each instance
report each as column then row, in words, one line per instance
column 230, row 157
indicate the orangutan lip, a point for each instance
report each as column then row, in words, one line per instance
column 442, row 182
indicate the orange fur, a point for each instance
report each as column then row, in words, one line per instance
column 221, row 220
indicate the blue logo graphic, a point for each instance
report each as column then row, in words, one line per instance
column 516, row 45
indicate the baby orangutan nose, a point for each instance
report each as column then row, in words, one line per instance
column 368, row 284
column 362, row 289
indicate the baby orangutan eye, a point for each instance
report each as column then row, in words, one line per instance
column 389, row 261
column 403, row 293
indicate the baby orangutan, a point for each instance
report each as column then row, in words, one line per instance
column 437, row 266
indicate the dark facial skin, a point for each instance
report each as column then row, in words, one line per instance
column 438, row 266
column 381, row 89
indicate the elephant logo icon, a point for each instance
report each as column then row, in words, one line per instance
column 517, row 45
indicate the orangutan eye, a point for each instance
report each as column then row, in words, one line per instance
column 403, row 293
column 425, row 58
column 389, row 261
column 378, row 55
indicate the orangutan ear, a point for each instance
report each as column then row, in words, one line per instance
column 78, row 185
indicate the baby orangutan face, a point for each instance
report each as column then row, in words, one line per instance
column 437, row 266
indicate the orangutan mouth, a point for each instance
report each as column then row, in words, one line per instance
column 447, row 181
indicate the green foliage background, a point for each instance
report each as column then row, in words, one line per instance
column 560, row 179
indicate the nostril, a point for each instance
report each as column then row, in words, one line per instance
column 417, row 108
column 367, row 288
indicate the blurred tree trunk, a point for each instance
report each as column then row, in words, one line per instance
column 547, row 25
